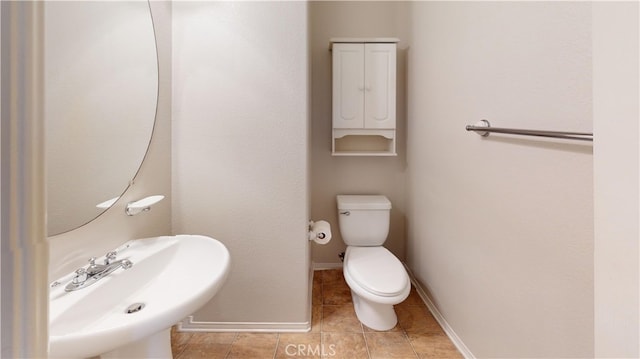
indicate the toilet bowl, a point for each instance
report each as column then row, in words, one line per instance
column 377, row 279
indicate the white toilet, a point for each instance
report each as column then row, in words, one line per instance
column 376, row 277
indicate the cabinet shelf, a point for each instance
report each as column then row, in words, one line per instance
column 363, row 142
column 363, row 153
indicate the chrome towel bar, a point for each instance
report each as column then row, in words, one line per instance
column 483, row 128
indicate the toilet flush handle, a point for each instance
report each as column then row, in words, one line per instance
column 346, row 213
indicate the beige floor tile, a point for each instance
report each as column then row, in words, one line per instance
column 331, row 276
column 433, row 346
column 335, row 290
column 337, row 293
column 413, row 299
column 344, row 346
column 179, row 341
column 208, row 345
column 340, row 318
column 316, row 298
column 316, row 319
column 316, row 293
column 317, row 278
column 389, row 345
column 417, row 319
column 299, row 345
column 212, row 338
column 253, row 346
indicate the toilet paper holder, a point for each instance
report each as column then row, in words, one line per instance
column 320, row 234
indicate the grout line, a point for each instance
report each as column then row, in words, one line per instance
column 321, row 343
column 235, row 337
column 366, row 343
column 275, row 352
column 406, row 335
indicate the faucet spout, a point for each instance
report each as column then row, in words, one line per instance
column 109, row 268
column 95, row 272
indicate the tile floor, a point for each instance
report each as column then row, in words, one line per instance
column 335, row 333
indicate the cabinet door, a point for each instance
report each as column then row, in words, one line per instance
column 348, row 86
column 380, row 86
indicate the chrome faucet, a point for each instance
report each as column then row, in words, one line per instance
column 94, row 272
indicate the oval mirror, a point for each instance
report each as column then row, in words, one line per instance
column 101, row 77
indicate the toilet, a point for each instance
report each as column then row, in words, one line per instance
column 377, row 279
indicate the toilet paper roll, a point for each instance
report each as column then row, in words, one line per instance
column 320, row 232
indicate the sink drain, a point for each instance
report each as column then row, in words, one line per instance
column 135, row 307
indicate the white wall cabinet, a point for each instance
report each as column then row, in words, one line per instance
column 364, row 97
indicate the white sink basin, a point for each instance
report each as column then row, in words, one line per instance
column 172, row 276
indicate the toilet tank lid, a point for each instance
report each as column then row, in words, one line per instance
column 363, row 202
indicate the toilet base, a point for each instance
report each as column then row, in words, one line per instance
column 374, row 315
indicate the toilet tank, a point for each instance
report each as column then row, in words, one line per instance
column 363, row 219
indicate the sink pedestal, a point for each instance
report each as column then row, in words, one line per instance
column 154, row 346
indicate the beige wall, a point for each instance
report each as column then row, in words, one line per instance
column 616, row 112
column 331, row 176
column 240, row 153
column 500, row 229
column 71, row 250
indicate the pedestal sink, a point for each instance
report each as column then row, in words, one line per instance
column 171, row 277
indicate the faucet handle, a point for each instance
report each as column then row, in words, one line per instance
column 110, row 257
column 81, row 276
column 92, row 261
column 126, row 264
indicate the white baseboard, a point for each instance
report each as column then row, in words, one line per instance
column 321, row 266
column 189, row 325
column 455, row 339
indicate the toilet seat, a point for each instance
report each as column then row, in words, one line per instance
column 376, row 270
